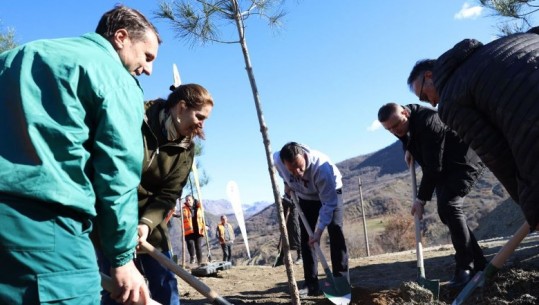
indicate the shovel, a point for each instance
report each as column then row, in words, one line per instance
column 184, row 275
column 106, row 283
column 336, row 289
column 494, row 265
column 280, row 255
column 432, row 285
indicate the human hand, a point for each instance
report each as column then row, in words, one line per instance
column 408, row 158
column 129, row 287
column 315, row 238
column 418, row 207
column 143, row 232
column 287, row 190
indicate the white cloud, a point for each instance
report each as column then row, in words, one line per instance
column 375, row 125
column 469, row 12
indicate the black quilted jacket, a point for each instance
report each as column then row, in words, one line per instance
column 444, row 159
column 489, row 94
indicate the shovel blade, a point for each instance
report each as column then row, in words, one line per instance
column 278, row 261
column 337, row 290
column 476, row 281
column 431, row 285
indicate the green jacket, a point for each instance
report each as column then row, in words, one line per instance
column 166, row 168
column 66, row 111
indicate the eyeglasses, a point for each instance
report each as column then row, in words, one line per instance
column 422, row 96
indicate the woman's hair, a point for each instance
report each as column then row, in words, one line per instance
column 123, row 17
column 194, row 95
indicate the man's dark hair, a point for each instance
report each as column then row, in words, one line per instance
column 420, row 67
column 289, row 151
column 386, row 111
column 123, row 17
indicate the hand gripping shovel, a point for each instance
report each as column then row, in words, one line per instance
column 106, row 283
column 184, row 275
column 336, row 289
column 494, row 265
column 432, row 285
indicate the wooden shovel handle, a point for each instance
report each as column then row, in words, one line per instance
column 184, row 275
column 499, row 260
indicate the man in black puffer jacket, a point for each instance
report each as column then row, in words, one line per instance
column 489, row 95
column 449, row 167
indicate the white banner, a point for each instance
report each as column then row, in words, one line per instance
column 234, row 198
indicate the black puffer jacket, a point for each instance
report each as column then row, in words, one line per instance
column 443, row 157
column 489, row 94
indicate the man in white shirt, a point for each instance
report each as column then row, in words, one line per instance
column 317, row 183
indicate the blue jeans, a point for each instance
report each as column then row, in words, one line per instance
column 227, row 251
column 162, row 282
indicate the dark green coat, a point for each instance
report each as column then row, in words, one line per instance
column 165, row 171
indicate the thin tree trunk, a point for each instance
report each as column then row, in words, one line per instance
column 183, row 236
column 364, row 221
column 264, row 130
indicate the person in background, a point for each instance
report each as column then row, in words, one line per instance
column 225, row 234
column 317, row 183
column 67, row 110
column 194, row 228
column 450, row 168
column 169, row 129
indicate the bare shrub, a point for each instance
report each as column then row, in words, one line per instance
column 398, row 234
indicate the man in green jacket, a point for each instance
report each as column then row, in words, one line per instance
column 70, row 158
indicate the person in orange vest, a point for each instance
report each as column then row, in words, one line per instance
column 226, row 236
column 194, row 228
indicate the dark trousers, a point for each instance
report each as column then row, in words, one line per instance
column 468, row 253
column 227, row 251
column 161, row 282
column 292, row 227
column 194, row 246
column 337, row 244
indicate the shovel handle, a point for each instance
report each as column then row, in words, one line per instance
column 184, row 275
column 510, row 246
column 495, row 264
column 417, row 223
column 310, row 233
column 106, row 283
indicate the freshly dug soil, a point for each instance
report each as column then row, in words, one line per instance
column 385, row 279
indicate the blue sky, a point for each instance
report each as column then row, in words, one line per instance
column 321, row 78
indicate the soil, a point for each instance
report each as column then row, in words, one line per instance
column 385, row 279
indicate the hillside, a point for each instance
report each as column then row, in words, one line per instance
column 386, row 191
column 377, row 279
